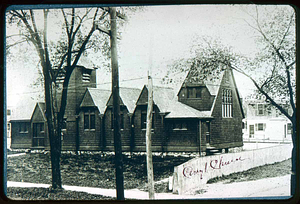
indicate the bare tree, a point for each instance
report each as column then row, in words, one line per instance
column 272, row 70
column 58, row 58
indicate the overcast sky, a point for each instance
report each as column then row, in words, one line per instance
column 167, row 32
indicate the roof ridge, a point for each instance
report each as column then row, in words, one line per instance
column 129, row 88
column 92, row 88
column 163, row 87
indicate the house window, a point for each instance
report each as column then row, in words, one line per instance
column 23, row 128
column 193, row 92
column 260, row 109
column 121, row 120
column 190, row 93
column 226, row 103
column 8, row 112
column 179, row 125
column 64, row 124
column 42, row 130
column 89, row 120
column 144, row 119
column 260, row 126
column 289, row 128
column 198, row 92
column 251, row 131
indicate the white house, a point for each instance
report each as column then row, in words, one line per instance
column 264, row 122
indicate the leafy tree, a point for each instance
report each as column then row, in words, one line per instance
column 59, row 55
column 272, row 70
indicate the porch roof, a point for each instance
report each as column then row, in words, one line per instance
column 23, row 111
column 180, row 110
column 163, row 97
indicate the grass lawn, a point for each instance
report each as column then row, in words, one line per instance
column 92, row 170
column 266, row 171
column 97, row 170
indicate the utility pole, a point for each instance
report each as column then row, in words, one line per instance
column 116, row 106
column 149, row 141
column 148, row 129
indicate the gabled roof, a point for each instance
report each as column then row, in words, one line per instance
column 238, row 95
column 129, row 97
column 99, row 98
column 23, row 110
column 42, row 107
column 165, row 100
column 163, row 97
column 180, row 110
column 212, row 81
column 213, row 84
column 85, row 62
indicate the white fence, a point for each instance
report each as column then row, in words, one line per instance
column 196, row 172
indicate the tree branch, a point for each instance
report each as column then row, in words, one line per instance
column 264, row 93
column 66, row 21
column 33, row 21
column 291, row 94
column 80, row 23
column 46, row 51
column 82, row 48
column 72, row 21
column 16, row 43
column 287, row 30
column 120, row 15
column 103, row 30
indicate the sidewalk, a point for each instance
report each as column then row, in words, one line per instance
column 269, row 187
column 16, row 155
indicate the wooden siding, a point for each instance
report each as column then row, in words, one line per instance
column 203, row 103
column 20, row 140
column 125, row 132
column 227, row 130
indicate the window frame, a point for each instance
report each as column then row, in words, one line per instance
column 144, row 113
column 179, row 125
column 194, row 92
column 260, row 127
column 227, row 103
column 260, row 107
column 42, row 128
column 289, row 128
column 87, row 120
column 23, row 127
column 64, row 124
column 122, row 120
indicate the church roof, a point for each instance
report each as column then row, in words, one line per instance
column 96, row 97
column 180, row 110
column 129, row 97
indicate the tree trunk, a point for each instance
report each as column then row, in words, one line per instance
column 116, row 107
column 55, row 147
column 294, row 158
